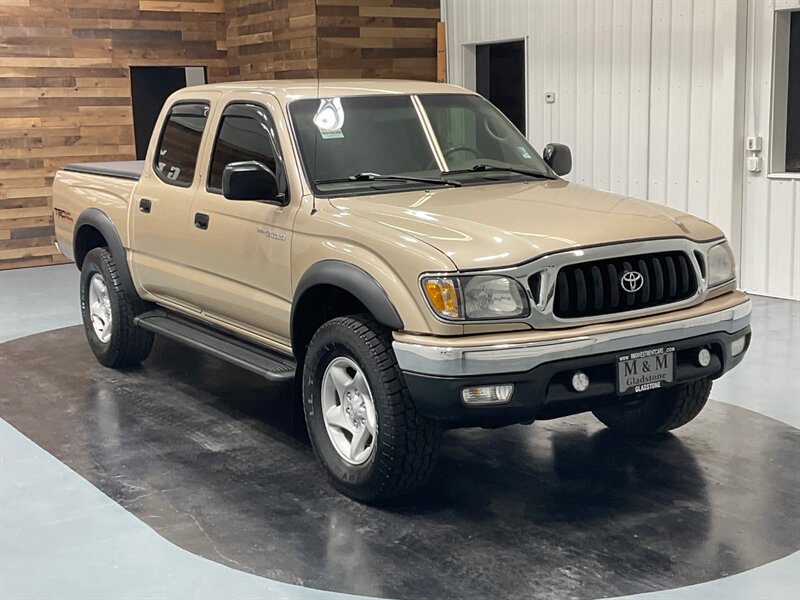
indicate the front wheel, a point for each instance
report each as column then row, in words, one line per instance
column 360, row 417
column 657, row 411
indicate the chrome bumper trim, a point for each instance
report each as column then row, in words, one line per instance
column 515, row 358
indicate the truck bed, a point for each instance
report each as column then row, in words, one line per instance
column 124, row 169
column 107, row 186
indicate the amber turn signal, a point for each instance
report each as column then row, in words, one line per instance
column 442, row 295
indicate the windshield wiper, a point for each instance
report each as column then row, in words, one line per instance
column 481, row 167
column 379, row 177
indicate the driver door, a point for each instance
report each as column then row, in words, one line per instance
column 243, row 248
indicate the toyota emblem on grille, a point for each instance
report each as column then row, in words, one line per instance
column 631, row 281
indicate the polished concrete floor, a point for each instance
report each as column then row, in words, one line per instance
column 215, row 462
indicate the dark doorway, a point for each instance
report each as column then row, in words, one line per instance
column 500, row 77
column 150, row 87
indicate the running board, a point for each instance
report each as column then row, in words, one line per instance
column 269, row 364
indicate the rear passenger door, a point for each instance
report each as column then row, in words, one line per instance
column 161, row 218
column 242, row 254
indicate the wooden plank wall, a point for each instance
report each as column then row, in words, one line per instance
column 378, row 38
column 277, row 39
column 271, row 39
column 65, row 94
column 65, row 87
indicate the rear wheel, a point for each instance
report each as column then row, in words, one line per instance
column 108, row 313
column 360, row 417
column 657, row 411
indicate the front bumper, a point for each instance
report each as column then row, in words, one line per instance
column 541, row 369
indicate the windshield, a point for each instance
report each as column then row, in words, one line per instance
column 342, row 138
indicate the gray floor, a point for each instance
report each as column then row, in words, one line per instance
column 36, row 300
column 60, row 537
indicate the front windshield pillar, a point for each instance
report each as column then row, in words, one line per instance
column 428, row 129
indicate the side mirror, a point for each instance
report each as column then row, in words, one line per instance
column 250, row 180
column 559, row 157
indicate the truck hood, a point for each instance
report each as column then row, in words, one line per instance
column 498, row 225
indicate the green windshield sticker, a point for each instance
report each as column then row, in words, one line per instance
column 523, row 152
column 331, row 135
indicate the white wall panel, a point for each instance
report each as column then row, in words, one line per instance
column 695, row 118
column 640, row 98
column 603, row 79
column 726, row 176
column 583, row 88
column 679, row 88
column 660, row 88
column 651, row 97
column 701, row 104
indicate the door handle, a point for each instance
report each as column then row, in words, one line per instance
column 201, row 220
column 145, row 205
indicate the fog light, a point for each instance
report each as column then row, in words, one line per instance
column 580, row 381
column 487, row 394
column 737, row 346
column 704, row 357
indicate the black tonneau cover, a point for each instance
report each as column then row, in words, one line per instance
column 124, row 169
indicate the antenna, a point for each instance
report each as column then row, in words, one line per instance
column 316, row 133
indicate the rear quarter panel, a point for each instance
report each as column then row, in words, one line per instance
column 75, row 192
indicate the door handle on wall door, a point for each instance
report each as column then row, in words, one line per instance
column 145, row 205
column 201, row 220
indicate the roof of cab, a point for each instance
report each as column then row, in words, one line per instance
column 294, row 89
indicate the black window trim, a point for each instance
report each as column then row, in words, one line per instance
column 204, row 110
column 257, row 110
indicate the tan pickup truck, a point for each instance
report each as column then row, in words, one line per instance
column 401, row 252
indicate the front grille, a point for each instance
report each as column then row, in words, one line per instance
column 595, row 288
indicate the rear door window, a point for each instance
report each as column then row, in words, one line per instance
column 176, row 155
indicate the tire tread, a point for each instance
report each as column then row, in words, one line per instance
column 658, row 412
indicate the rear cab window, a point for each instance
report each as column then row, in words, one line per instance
column 175, row 160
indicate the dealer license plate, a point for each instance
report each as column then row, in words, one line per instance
column 644, row 370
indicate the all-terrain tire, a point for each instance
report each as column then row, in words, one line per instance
column 657, row 411
column 406, row 444
column 128, row 345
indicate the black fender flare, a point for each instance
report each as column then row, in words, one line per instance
column 354, row 280
column 94, row 217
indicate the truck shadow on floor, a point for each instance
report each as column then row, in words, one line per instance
column 218, row 462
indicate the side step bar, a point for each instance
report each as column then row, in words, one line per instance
column 269, row 364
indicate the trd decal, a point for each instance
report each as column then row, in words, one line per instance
column 63, row 215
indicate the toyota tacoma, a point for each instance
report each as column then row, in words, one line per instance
column 401, row 254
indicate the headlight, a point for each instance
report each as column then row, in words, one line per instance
column 490, row 297
column 721, row 267
column 478, row 297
